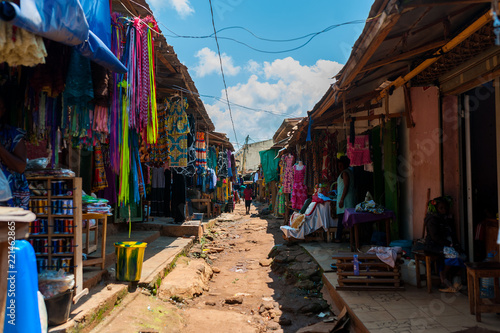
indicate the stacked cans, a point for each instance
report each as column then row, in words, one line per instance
column 59, row 187
column 39, row 206
column 53, row 264
column 40, row 245
column 62, row 245
column 39, row 227
column 42, row 264
column 62, row 207
column 63, row 226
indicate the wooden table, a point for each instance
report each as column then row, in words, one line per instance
column 476, row 271
column 206, row 202
column 352, row 219
column 92, row 261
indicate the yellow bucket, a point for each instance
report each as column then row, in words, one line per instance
column 129, row 258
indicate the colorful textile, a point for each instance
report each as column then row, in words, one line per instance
column 222, row 164
column 9, row 138
column 159, row 151
column 100, row 181
column 201, row 150
column 281, row 202
column 359, row 153
column 299, row 193
column 177, row 129
column 288, row 173
column 212, row 158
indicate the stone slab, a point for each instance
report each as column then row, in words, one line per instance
column 166, row 250
column 92, row 308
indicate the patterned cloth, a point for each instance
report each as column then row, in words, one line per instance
column 288, row 173
column 299, row 193
column 9, row 138
column 222, row 164
column 177, row 129
column 159, row 151
column 201, row 150
column 100, row 181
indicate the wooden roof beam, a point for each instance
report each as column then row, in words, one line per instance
column 466, row 33
column 165, row 62
column 430, row 3
column 403, row 56
column 371, row 41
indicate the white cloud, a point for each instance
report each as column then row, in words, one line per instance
column 182, row 7
column 209, row 63
column 283, row 86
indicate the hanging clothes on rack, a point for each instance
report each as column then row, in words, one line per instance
column 288, row 162
column 178, row 128
column 299, row 193
column 222, row 164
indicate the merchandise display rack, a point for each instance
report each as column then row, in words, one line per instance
column 56, row 234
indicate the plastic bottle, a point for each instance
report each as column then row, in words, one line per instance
column 487, row 285
column 356, row 265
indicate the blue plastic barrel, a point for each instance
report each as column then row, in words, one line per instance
column 21, row 310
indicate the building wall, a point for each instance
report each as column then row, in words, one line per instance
column 252, row 154
column 424, row 155
column 451, row 155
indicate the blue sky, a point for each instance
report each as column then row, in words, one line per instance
column 287, row 84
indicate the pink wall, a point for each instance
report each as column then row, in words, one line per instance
column 451, row 156
column 424, row 154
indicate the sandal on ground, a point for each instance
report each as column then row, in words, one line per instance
column 448, row 290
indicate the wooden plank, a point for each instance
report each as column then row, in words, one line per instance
column 403, row 56
column 431, row 3
column 369, row 274
column 466, row 33
column 366, row 280
column 370, row 43
column 369, row 288
column 165, row 62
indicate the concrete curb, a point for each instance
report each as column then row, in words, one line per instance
column 94, row 307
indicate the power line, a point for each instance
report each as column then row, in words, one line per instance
column 222, row 72
column 214, row 34
column 222, row 100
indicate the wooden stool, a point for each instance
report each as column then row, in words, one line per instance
column 89, row 248
column 428, row 258
column 216, row 210
column 476, row 271
column 330, row 234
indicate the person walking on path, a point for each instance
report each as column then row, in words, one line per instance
column 248, row 199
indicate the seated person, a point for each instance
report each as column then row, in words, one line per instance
column 441, row 240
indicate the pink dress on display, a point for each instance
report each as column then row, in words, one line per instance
column 288, row 174
column 299, row 193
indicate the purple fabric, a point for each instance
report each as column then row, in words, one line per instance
column 351, row 217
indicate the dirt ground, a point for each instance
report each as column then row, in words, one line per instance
column 247, row 292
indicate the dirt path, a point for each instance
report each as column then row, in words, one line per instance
column 244, row 294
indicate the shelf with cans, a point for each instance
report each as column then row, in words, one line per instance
column 56, row 234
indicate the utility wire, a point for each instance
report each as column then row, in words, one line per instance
column 222, row 100
column 222, row 72
column 311, row 36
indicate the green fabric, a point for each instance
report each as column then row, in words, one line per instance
column 350, row 197
column 270, row 165
column 212, row 158
column 391, row 174
column 306, row 204
column 378, row 174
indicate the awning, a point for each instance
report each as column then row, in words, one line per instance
column 62, row 21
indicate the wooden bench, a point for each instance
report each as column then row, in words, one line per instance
column 373, row 273
column 475, row 272
column 207, row 202
column 92, row 247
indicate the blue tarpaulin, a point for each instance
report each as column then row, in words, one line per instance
column 65, row 21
